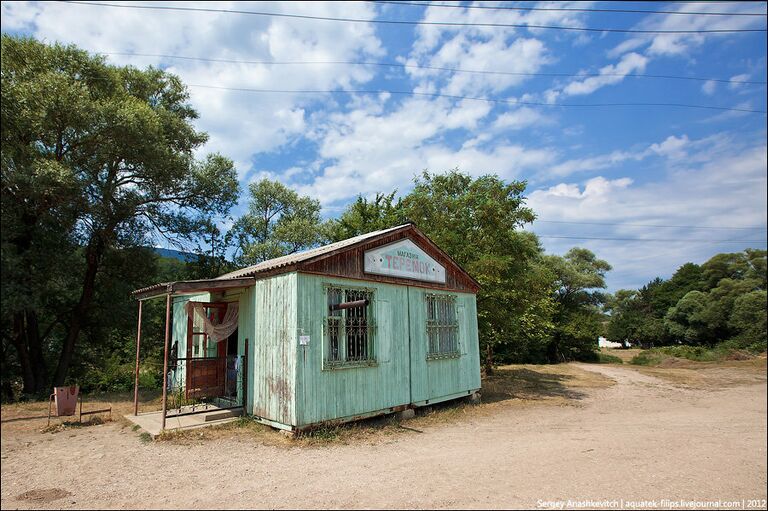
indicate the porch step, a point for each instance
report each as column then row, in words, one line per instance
column 224, row 414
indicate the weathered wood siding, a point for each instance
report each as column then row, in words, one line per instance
column 403, row 375
column 350, row 263
column 436, row 380
column 347, row 392
column 271, row 310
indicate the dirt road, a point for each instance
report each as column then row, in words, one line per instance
column 643, row 438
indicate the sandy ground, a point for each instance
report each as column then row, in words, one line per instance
column 643, row 438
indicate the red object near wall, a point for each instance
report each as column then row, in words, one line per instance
column 66, row 400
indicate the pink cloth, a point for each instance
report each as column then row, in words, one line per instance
column 66, row 399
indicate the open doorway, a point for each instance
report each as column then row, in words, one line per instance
column 233, row 366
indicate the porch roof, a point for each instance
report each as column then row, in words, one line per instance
column 246, row 276
column 189, row 286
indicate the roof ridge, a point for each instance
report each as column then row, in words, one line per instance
column 277, row 262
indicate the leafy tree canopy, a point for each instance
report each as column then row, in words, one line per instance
column 95, row 158
column 279, row 222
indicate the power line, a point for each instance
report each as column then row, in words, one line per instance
column 489, row 100
column 650, row 225
column 431, row 23
column 565, row 9
column 648, row 239
column 435, row 68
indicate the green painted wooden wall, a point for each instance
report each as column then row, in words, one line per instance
column 403, row 375
column 439, row 379
column 346, row 392
column 287, row 383
column 271, row 310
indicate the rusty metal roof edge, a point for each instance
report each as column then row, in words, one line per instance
column 169, row 287
column 319, row 253
column 308, row 255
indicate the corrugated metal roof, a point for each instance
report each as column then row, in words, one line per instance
column 298, row 257
column 153, row 287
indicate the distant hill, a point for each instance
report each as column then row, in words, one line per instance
column 175, row 254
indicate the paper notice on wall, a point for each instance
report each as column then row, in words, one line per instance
column 303, row 340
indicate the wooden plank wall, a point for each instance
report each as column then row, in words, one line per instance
column 350, row 263
column 326, row 394
column 433, row 379
column 273, row 348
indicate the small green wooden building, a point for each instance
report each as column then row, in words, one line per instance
column 374, row 324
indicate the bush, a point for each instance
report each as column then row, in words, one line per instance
column 734, row 349
column 603, row 358
column 115, row 376
column 696, row 353
column 647, row 358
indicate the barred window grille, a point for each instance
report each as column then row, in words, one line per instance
column 442, row 326
column 349, row 332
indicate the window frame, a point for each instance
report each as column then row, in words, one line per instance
column 337, row 322
column 440, row 331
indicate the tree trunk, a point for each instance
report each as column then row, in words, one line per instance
column 36, row 359
column 93, row 256
column 488, row 359
column 17, row 339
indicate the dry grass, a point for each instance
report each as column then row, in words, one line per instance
column 708, row 375
column 624, row 354
column 33, row 415
column 514, row 385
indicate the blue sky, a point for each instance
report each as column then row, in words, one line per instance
column 688, row 177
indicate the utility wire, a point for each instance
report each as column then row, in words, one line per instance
column 435, row 68
column 651, row 225
column 432, row 23
column 648, row 239
column 565, row 9
column 488, row 100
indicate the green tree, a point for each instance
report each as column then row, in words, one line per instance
column 364, row 216
column 689, row 277
column 578, row 319
column 477, row 222
column 95, row 158
column 686, row 321
column 627, row 316
column 278, row 222
column 748, row 318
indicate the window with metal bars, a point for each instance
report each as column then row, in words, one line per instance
column 442, row 326
column 349, row 327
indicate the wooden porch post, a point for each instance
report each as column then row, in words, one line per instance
column 165, row 357
column 136, row 379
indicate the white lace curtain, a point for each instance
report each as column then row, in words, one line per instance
column 216, row 332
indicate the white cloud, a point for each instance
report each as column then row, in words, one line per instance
column 521, row 118
column 628, row 45
column 721, row 184
column 593, row 163
column 709, row 87
column 672, row 147
column 735, row 81
column 241, row 124
column 683, row 43
column 731, row 114
column 364, row 151
column 611, row 74
column 484, row 48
